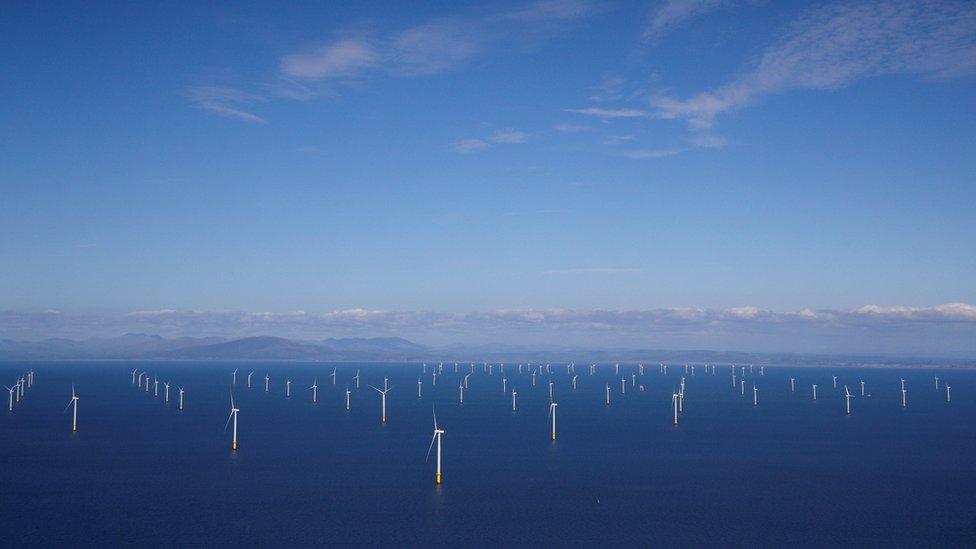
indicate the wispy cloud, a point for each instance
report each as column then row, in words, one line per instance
column 341, row 58
column 428, row 48
column 833, row 45
column 644, row 154
column 611, row 113
column 509, row 136
column 470, row 145
column 501, row 137
column 671, row 13
column 224, row 101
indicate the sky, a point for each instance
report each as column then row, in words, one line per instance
column 776, row 174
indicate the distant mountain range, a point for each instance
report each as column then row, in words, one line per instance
column 153, row 347
column 391, row 349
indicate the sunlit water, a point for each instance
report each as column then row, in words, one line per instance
column 789, row 471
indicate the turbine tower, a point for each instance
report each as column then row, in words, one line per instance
column 347, row 398
column 74, row 413
column 437, row 438
column 233, row 415
column 315, row 390
column 552, row 412
column 181, row 398
column 847, row 397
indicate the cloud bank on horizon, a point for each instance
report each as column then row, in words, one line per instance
column 940, row 330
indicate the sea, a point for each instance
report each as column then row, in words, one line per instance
column 789, row 471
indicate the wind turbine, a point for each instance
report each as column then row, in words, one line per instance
column 608, row 394
column 267, row 379
column 233, row 415
column 419, row 388
column 936, row 383
column 948, row 393
column 755, row 395
column 287, row 387
column 575, row 377
column 315, row 390
column 156, row 387
column 835, row 381
column 74, row 413
column 792, row 385
column 814, row 391
column 333, row 376
column 461, row 389
column 10, row 402
column 437, row 437
column 552, row 412
column 550, row 390
column 674, row 404
column 249, row 374
column 862, row 387
column 623, row 386
column 134, row 375
column 847, row 396
column 504, row 384
column 466, row 376
column 904, row 394
column 166, row 384
column 356, row 377
column 181, row 398
column 514, row 394
column 234, row 376
column 347, row 398
column 383, row 394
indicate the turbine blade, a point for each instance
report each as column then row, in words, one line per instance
column 228, row 421
column 435, row 418
column 429, row 448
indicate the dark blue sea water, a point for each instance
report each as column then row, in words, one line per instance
column 790, row 471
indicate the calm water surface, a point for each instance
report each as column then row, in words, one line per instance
column 789, row 471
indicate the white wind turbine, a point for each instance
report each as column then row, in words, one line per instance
column 847, row 397
column 514, row 394
column 420, row 384
column 383, row 394
column 156, row 387
column 862, row 387
column 575, row 377
column 550, row 390
column 755, row 395
column 552, row 412
column 10, row 402
column 608, row 394
column 904, row 394
column 674, row 405
column 234, row 376
column 936, row 383
column 267, row 380
column 347, row 398
column 134, row 372
column 333, row 376
column 792, row 385
column 233, row 415
column 461, row 389
column 814, row 391
column 166, row 385
column 437, row 437
column 287, row 387
column 315, row 390
column 948, row 393
column 504, row 384
column 181, row 398
column 249, row 374
column 623, row 386
column 356, row 377
column 74, row 413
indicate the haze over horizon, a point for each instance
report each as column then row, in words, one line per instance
column 714, row 174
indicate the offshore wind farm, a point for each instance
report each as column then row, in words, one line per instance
column 681, row 448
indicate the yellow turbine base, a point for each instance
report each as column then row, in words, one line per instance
column 438, row 478
column 234, row 447
column 554, row 436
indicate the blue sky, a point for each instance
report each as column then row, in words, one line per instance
column 449, row 158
